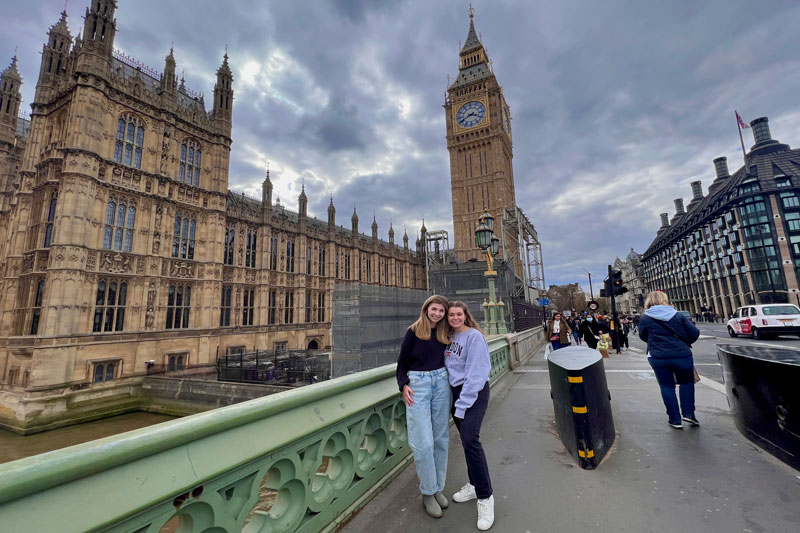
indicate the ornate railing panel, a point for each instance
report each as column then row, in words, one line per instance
column 300, row 460
column 498, row 353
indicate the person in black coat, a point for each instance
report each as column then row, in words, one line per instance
column 590, row 331
column 669, row 336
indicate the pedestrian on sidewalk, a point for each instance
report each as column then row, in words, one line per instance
column 423, row 380
column 558, row 331
column 468, row 365
column 575, row 326
column 590, row 332
column 669, row 337
column 605, row 336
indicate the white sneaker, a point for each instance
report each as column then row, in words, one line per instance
column 485, row 513
column 466, row 494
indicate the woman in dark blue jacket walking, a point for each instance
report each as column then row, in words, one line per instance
column 669, row 337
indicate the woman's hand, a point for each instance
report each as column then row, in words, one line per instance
column 408, row 395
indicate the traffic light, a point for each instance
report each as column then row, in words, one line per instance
column 616, row 283
column 605, row 292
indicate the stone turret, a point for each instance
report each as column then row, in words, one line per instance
column 96, row 46
column 10, row 100
column 374, row 229
column 405, row 239
column 331, row 214
column 302, row 203
column 169, row 81
column 266, row 199
column 391, row 233
column 55, row 57
column 223, row 97
column 354, row 222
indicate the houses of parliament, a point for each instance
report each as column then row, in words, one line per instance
column 121, row 244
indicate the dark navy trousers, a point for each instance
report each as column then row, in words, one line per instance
column 469, row 428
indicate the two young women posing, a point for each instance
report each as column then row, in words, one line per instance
column 443, row 369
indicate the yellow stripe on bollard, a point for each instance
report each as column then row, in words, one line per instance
column 575, row 379
column 579, row 410
column 588, row 454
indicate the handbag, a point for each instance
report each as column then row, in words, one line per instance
column 602, row 344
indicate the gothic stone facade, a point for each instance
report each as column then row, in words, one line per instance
column 739, row 244
column 122, row 244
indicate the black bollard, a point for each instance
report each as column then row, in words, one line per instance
column 763, row 393
column 582, row 404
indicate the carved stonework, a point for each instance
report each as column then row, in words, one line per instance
column 182, row 269
column 227, row 274
column 91, row 259
column 156, row 241
column 115, row 263
column 250, row 276
column 150, row 314
column 27, row 263
column 140, row 266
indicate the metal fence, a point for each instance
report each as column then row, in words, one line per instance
column 268, row 367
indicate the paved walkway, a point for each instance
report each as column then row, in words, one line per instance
column 655, row 479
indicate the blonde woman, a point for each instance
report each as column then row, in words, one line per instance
column 468, row 364
column 422, row 378
column 669, row 337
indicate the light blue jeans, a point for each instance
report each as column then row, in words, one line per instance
column 428, row 422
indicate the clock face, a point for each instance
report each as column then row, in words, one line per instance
column 471, row 114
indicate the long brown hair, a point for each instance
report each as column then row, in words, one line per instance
column 469, row 320
column 422, row 326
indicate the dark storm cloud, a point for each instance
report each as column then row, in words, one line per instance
column 616, row 108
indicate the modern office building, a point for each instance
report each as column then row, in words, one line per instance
column 740, row 243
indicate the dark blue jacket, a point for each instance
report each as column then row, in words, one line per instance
column 654, row 329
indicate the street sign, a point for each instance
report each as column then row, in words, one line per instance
column 593, row 306
column 544, row 301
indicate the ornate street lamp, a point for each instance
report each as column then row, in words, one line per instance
column 493, row 312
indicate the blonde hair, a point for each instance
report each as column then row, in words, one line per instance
column 469, row 320
column 422, row 326
column 656, row 298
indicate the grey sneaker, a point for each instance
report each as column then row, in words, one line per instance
column 431, row 506
column 466, row 494
column 441, row 499
column 676, row 425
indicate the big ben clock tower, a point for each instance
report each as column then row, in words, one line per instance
column 479, row 141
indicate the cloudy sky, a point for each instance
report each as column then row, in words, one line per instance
column 617, row 106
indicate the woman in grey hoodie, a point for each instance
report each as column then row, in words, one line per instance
column 669, row 337
column 468, row 366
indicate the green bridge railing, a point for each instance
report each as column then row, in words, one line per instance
column 302, row 460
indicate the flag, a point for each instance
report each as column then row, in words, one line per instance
column 741, row 122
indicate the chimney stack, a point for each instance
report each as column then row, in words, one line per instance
column 761, row 130
column 697, row 190
column 679, row 206
column 664, row 220
column 721, row 167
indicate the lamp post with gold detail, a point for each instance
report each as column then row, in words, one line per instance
column 493, row 311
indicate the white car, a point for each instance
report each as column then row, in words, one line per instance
column 762, row 321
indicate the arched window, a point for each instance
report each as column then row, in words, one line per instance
column 130, row 139
column 184, row 235
column 105, row 372
column 189, row 170
column 110, row 301
column 120, row 219
column 230, row 233
column 179, row 302
column 51, row 217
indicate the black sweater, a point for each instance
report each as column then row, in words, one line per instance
column 416, row 354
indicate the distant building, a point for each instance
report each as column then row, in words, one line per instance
column 739, row 244
column 123, row 246
column 633, row 278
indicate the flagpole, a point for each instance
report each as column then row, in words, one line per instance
column 741, row 139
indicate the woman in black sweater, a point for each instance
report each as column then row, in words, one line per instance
column 423, row 380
